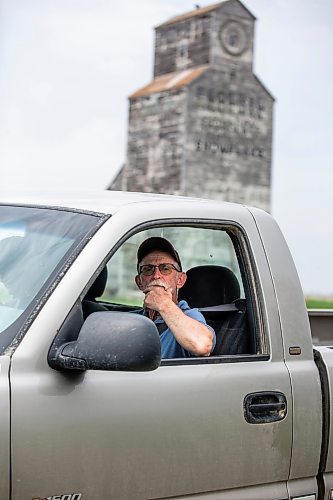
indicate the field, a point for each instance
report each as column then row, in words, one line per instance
column 319, row 303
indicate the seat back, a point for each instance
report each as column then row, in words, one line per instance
column 97, row 288
column 209, row 286
column 89, row 303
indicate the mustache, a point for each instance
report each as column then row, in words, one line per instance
column 161, row 283
column 158, row 282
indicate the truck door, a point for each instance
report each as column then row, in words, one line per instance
column 180, row 430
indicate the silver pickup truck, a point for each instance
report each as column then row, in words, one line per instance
column 89, row 410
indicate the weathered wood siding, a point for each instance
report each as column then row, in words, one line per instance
column 229, row 139
column 155, row 144
column 183, row 45
column 232, row 37
column 218, row 37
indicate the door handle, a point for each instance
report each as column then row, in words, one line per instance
column 265, row 407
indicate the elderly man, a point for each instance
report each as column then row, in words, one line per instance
column 183, row 331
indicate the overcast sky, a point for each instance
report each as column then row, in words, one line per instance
column 67, row 67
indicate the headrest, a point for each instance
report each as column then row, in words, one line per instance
column 209, row 286
column 98, row 286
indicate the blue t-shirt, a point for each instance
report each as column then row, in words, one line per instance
column 170, row 348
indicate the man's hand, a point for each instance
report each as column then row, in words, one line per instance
column 157, row 295
column 194, row 336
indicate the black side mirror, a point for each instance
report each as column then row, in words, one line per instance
column 111, row 341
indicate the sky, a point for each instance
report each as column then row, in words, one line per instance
column 67, row 68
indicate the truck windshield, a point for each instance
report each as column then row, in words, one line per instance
column 34, row 244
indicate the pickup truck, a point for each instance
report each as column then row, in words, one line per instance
column 89, row 410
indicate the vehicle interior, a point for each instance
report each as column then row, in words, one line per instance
column 216, row 284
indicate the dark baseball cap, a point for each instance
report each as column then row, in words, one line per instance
column 157, row 243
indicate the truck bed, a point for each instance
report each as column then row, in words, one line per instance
column 321, row 322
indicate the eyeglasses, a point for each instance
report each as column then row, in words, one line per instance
column 165, row 269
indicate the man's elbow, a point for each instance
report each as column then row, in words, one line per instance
column 203, row 351
column 204, row 345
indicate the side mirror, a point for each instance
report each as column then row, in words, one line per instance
column 111, row 341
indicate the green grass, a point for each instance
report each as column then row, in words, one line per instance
column 311, row 302
column 316, row 303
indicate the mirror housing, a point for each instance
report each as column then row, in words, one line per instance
column 115, row 341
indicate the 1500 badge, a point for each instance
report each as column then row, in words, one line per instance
column 67, row 496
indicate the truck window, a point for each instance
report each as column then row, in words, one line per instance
column 196, row 247
column 216, row 284
column 34, row 243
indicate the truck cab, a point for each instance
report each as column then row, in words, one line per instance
column 90, row 409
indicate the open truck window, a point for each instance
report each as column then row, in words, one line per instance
column 218, row 284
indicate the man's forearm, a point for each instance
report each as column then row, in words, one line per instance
column 194, row 336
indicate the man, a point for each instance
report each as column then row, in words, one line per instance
column 183, row 331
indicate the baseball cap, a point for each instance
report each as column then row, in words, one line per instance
column 157, row 243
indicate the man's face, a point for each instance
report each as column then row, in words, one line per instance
column 174, row 280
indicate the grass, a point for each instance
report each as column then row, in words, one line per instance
column 317, row 303
column 311, row 302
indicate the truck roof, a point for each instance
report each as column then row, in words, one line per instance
column 107, row 202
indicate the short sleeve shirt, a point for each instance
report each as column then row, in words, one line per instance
column 170, row 348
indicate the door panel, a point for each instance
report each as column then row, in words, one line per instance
column 179, row 430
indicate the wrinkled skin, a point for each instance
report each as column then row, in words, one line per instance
column 161, row 300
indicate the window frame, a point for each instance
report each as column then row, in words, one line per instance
column 249, row 274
